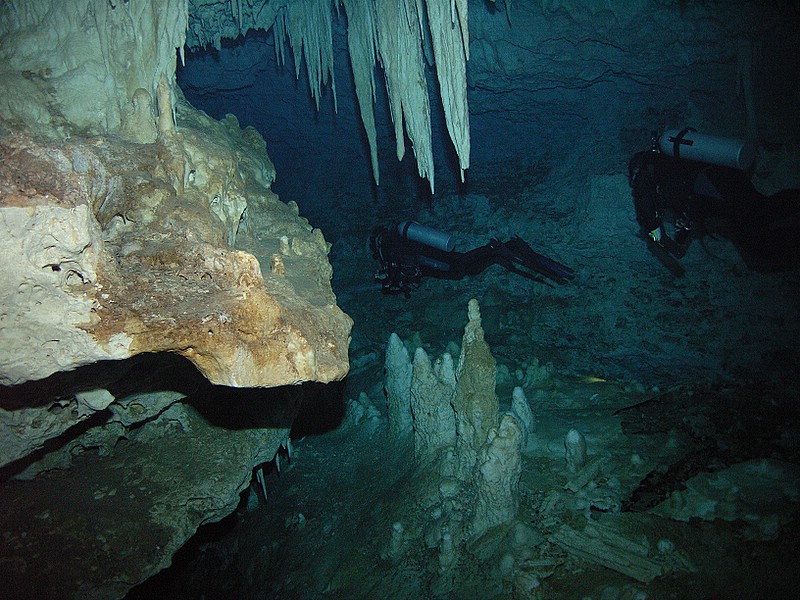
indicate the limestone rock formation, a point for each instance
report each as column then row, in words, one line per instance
column 521, row 410
column 128, row 493
column 92, row 67
column 467, row 459
column 85, row 223
column 397, row 368
column 114, row 250
column 432, row 389
column 134, row 228
column 475, row 401
column 497, row 477
column 761, row 494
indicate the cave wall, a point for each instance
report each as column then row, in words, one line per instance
column 601, row 76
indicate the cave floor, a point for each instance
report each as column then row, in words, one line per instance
column 685, row 388
column 324, row 527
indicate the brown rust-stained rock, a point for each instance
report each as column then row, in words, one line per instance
column 112, row 249
column 132, row 224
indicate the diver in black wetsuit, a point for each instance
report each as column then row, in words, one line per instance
column 408, row 251
column 663, row 193
column 678, row 199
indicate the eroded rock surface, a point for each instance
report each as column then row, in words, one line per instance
column 126, row 494
column 112, row 249
column 115, row 247
column 134, row 228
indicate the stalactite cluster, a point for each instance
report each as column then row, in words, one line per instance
column 404, row 37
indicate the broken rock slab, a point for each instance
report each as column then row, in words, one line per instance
column 761, row 494
column 107, row 523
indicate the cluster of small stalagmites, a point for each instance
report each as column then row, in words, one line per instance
column 468, row 455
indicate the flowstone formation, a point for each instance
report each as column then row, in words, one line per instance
column 111, row 250
column 467, row 457
column 70, row 66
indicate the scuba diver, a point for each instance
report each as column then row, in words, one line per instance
column 407, row 251
column 688, row 185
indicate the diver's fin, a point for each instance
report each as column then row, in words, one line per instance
column 666, row 258
column 517, row 250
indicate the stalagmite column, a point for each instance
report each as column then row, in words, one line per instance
column 432, row 389
column 475, row 402
column 574, row 450
column 397, row 386
column 497, row 477
column 166, row 122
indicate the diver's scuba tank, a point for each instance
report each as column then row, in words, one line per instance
column 723, row 152
column 427, row 236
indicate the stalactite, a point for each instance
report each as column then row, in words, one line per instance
column 279, row 32
column 398, row 34
column 165, row 30
column 361, row 41
column 308, row 27
column 458, row 10
column 450, row 49
column 400, row 52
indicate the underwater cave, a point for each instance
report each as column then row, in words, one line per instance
column 492, row 299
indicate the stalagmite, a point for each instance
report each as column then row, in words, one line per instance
column 397, row 387
column 575, row 450
column 497, row 477
column 432, row 390
column 475, row 402
column 523, row 413
column 139, row 121
column 166, row 124
column 394, row 549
